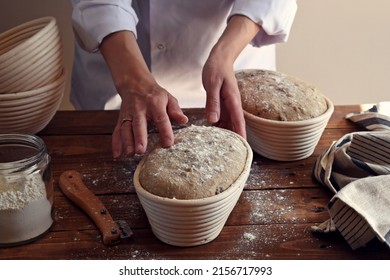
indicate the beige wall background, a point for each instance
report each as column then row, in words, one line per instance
column 342, row 47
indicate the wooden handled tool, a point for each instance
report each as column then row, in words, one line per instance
column 73, row 187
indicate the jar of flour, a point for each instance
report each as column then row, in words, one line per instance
column 26, row 189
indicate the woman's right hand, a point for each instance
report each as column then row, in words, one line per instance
column 143, row 100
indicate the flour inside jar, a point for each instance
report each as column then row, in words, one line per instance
column 25, row 189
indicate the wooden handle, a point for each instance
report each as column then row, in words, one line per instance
column 72, row 186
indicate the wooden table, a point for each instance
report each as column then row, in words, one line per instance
column 271, row 220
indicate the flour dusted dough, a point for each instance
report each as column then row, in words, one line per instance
column 203, row 162
column 277, row 96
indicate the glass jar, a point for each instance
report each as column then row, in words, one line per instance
column 26, row 189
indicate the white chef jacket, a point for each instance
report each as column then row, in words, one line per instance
column 175, row 38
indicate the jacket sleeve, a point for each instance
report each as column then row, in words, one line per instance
column 274, row 16
column 95, row 19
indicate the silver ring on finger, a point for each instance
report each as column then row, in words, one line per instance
column 127, row 119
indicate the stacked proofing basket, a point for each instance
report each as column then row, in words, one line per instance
column 32, row 76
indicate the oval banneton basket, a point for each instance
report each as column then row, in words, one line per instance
column 286, row 140
column 191, row 222
column 282, row 140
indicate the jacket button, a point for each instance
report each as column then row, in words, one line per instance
column 161, row 46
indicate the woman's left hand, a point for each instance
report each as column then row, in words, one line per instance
column 223, row 103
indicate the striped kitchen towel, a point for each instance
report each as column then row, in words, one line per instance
column 357, row 169
column 377, row 118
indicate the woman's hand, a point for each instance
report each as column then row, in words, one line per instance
column 143, row 99
column 153, row 104
column 223, row 104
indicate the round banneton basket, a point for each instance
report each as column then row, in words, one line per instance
column 191, row 222
column 286, row 140
column 30, row 111
column 30, row 55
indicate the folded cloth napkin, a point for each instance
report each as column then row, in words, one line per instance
column 357, row 169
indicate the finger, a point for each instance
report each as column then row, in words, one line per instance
column 224, row 124
column 224, row 120
column 174, row 111
column 140, row 133
column 161, row 120
column 164, row 127
column 116, row 141
column 126, row 129
column 213, row 105
column 232, row 109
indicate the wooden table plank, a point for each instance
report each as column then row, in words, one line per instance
column 238, row 242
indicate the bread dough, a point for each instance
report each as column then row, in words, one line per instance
column 277, row 96
column 203, row 162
